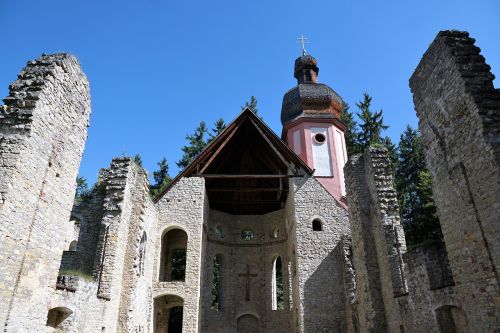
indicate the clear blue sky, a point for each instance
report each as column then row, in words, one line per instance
column 158, row 67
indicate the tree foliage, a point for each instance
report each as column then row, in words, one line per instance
column 372, row 123
column 82, row 189
column 161, row 178
column 219, row 126
column 352, row 132
column 414, row 186
column 196, row 142
column 252, row 105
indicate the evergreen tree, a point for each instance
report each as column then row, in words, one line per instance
column 161, row 177
column 372, row 123
column 351, row 133
column 252, row 105
column 392, row 150
column 196, row 143
column 219, row 126
column 413, row 184
column 82, row 188
column 137, row 159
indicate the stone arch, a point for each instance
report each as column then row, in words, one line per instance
column 247, row 323
column 168, row 314
column 451, row 319
column 173, row 254
column 217, row 282
column 317, row 225
column 56, row 316
column 277, row 284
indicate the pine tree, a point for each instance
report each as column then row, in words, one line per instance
column 137, row 159
column 82, row 188
column 351, row 133
column 219, row 126
column 372, row 123
column 252, row 105
column 196, row 143
column 392, row 150
column 161, row 177
column 413, row 184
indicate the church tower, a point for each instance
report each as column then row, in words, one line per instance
column 312, row 128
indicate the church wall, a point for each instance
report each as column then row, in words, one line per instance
column 183, row 206
column 258, row 254
column 459, row 118
column 320, row 282
column 43, row 128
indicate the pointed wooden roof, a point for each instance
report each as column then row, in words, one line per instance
column 246, row 168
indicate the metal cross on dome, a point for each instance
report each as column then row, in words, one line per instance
column 303, row 40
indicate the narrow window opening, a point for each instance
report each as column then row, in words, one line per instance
column 277, row 285
column 317, row 225
column 56, row 316
column 142, row 255
column 217, row 283
column 219, row 232
column 73, row 245
column 173, row 256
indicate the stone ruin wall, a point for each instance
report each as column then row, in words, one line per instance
column 320, row 288
column 184, row 207
column 43, row 128
column 259, row 253
column 118, row 295
column 378, row 242
column 459, row 118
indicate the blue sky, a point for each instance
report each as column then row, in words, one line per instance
column 159, row 67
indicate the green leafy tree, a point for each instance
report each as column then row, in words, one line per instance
column 351, row 133
column 196, row 143
column 82, row 188
column 372, row 123
column 161, row 177
column 219, row 126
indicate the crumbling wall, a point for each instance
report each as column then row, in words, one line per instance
column 377, row 240
column 43, row 128
column 459, row 118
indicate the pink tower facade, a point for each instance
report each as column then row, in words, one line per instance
column 312, row 127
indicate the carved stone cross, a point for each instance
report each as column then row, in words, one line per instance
column 248, row 276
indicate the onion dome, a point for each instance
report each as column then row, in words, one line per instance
column 309, row 98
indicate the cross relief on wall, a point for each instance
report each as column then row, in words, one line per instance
column 248, row 275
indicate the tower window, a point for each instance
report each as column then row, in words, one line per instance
column 317, row 226
column 319, row 138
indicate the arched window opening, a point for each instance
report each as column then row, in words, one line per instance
column 217, row 283
column 168, row 316
column 173, row 256
column 277, row 285
column 451, row 319
column 219, row 232
column 275, row 233
column 57, row 316
column 247, row 323
column 142, row 254
column 317, row 225
column 73, row 245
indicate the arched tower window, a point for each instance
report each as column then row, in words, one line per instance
column 173, row 255
column 73, row 245
column 277, row 285
column 217, row 283
column 142, row 254
column 317, row 225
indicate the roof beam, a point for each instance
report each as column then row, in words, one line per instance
column 226, row 176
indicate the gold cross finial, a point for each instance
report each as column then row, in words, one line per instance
column 303, row 40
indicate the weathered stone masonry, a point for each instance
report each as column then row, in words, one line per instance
column 43, row 128
column 459, row 118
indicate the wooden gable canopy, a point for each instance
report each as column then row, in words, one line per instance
column 246, row 168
